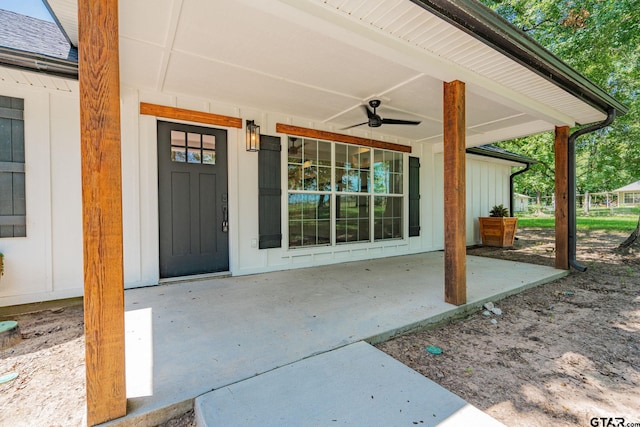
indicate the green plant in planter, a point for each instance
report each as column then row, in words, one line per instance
column 499, row 211
column 498, row 229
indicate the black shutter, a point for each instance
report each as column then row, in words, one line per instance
column 414, row 196
column 12, row 171
column 269, row 193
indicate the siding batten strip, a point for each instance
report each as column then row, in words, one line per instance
column 99, row 81
column 561, row 154
column 455, row 261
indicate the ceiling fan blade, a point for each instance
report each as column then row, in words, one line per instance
column 353, row 126
column 399, row 122
column 370, row 113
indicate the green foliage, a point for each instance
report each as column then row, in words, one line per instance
column 601, row 39
column 621, row 223
column 499, row 211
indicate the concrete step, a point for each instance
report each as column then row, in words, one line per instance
column 354, row 385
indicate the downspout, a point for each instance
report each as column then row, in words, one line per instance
column 513, row 175
column 572, row 185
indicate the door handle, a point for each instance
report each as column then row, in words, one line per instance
column 225, row 219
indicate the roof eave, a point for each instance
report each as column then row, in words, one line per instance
column 479, row 151
column 490, row 28
column 39, row 63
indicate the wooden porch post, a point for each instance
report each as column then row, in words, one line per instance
column 561, row 150
column 455, row 261
column 99, row 80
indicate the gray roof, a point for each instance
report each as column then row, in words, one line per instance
column 36, row 45
column 27, row 34
column 489, row 150
column 635, row 186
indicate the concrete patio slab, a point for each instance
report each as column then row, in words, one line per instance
column 208, row 334
column 356, row 385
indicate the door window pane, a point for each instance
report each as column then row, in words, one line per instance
column 208, row 142
column 193, row 155
column 178, row 138
column 193, row 147
column 178, row 154
column 208, row 157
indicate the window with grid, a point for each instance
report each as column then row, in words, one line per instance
column 353, row 193
column 12, row 171
column 631, row 198
column 191, row 147
column 357, row 189
column 388, row 200
column 309, row 171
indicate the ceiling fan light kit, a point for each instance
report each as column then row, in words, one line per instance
column 375, row 121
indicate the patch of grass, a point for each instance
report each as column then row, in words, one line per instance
column 622, row 223
column 536, row 222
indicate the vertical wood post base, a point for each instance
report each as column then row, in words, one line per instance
column 455, row 255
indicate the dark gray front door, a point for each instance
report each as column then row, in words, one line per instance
column 192, row 199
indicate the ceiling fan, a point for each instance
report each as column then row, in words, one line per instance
column 376, row 121
column 293, row 148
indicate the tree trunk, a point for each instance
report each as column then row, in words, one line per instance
column 538, row 203
column 585, row 203
column 632, row 240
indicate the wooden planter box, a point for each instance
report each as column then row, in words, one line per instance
column 498, row 232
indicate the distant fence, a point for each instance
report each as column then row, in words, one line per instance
column 605, row 203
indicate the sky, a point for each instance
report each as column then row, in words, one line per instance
column 34, row 8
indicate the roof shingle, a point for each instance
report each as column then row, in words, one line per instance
column 27, row 34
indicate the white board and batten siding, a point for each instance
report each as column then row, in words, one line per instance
column 487, row 185
column 47, row 264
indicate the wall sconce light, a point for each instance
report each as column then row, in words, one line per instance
column 253, row 136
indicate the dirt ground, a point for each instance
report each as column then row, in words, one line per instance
column 560, row 354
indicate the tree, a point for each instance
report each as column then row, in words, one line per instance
column 601, row 39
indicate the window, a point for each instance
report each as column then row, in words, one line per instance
column 387, row 182
column 190, row 147
column 631, row 198
column 12, row 176
column 309, row 169
column 343, row 193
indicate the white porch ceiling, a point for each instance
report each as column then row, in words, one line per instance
column 321, row 60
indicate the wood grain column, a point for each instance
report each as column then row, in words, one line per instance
column 455, row 256
column 561, row 154
column 99, row 80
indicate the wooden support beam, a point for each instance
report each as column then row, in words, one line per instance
column 99, row 80
column 561, row 150
column 455, row 240
column 189, row 115
column 339, row 137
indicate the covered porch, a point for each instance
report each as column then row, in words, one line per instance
column 311, row 77
column 187, row 339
